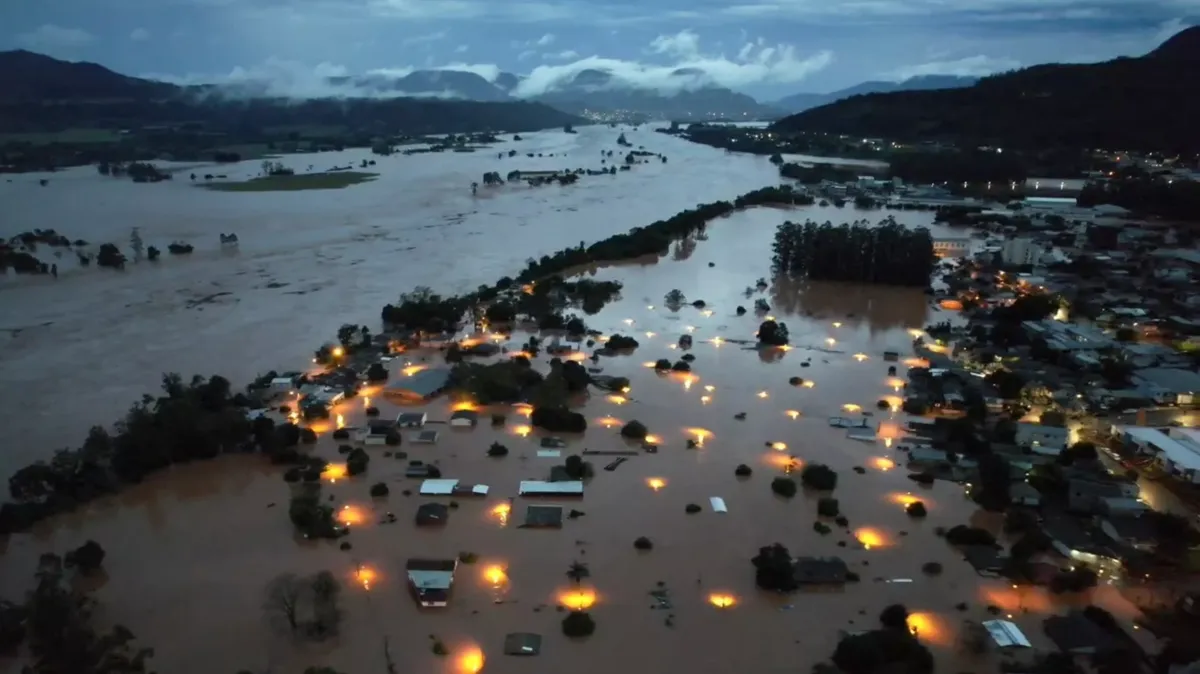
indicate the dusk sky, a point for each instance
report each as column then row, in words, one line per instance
column 767, row 48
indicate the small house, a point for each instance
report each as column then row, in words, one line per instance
column 376, row 432
column 410, row 419
column 1042, row 439
column 522, row 643
column 464, row 418
column 430, row 580
column 543, row 488
column 1075, row 634
column 1023, row 494
column 543, row 517
column 426, row 438
column 820, row 570
column 444, row 487
column 432, row 514
column 282, row 385
column 1005, row 634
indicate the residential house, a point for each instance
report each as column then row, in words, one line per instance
column 1023, row 494
column 1069, row 539
column 1087, row 497
column 1129, row 530
column 820, row 570
column 1176, row 450
column 419, row 386
column 1042, row 439
column 1170, row 386
column 464, row 418
column 542, row 488
column 376, row 432
column 1075, row 634
column 430, row 580
column 410, row 419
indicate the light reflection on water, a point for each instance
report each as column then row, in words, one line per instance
column 210, row 536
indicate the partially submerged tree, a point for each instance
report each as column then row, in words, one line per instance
column 774, row 569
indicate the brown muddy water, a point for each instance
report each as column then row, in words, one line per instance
column 190, row 552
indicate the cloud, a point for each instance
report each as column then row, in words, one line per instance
column 424, row 39
column 1168, row 29
column 756, row 62
column 561, row 56
column 970, row 66
column 545, row 40
column 51, row 37
column 461, row 49
column 139, row 35
column 274, row 77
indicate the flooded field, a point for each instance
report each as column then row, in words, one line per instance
column 191, row 551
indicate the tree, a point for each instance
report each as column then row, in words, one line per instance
column 819, row 476
column 772, row 333
column 578, row 572
column 774, row 569
column 87, row 557
column 894, row 617
column 377, row 373
column 283, row 597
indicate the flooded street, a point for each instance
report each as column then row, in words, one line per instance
column 191, row 551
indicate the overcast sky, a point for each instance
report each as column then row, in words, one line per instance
column 767, row 48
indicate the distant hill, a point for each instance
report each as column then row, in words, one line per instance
column 39, row 93
column 801, row 102
column 692, row 95
column 1143, row 103
column 448, row 84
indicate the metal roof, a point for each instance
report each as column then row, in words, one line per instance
column 1006, row 634
column 535, row 487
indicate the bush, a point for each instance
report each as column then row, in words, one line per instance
column 841, row 521
column 467, row 557
column 497, row 450
column 308, row 436
column 796, row 381
column 356, row 462
column 86, row 558
column 379, row 490
column 772, row 333
column 965, row 535
column 819, row 476
column 691, row 509
column 643, row 543
column 1075, row 580
column 784, row 486
column 921, row 478
column 894, row 617
column 883, row 405
column 634, row 430
column 1019, row 520
column 915, row 509
column 621, row 343
column 341, row 434
column 578, row 624
column 372, row 411
column 377, row 372
column 392, row 439
column 576, row 468
column 681, row 366
column 743, row 470
column 662, row 365
column 873, row 651
column 558, row 420
column 773, row 569
column 931, row 568
column 827, row 507
column 821, row 528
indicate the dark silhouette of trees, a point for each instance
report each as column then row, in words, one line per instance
column 888, row 253
column 773, row 569
column 1148, row 195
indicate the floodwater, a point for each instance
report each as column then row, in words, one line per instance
column 190, row 551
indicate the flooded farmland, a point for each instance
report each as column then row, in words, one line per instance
column 191, row 550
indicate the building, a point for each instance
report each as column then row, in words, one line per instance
column 1042, row 439
column 464, row 418
column 1166, row 385
column 430, row 580
column 419, row 386
column 1176, row 450
column 951, row 246
column 1021, row 251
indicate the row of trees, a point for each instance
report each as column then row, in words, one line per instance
column 887, row 253
column 200, row 419
column 815, row 173
column 1175, row 200
column 426, row 311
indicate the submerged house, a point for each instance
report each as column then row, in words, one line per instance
column 420, row 386
column 430, row 580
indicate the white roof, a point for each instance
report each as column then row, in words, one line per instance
column 1176, row 452
column 1006, row 634
column 438, row 487
column 543, row 487
column 718, row 504
column 282, row 380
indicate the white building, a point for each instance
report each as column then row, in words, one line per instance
column 1021, row 251
column 1177, row 450
column 951, row 246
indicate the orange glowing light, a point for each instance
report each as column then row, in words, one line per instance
column 794, row 414
column 351, row 515
column 784, row 462
column 808, row 383
column 860, row 357
column 656, row 483
column 896, row 383
column 495, row 575
column 916, row 362
column 524, row 354
column 705, row 399
column 616, row 399
column 763, row 394
column 609, row 422
column 785, row 348
column 338, row 352
column 951, row 305
column 522, row 431
column 465, row 406
column 471, row 661
column 701, row 435
column 366, row 401
column 412, row 369
column 524, row 409
column 721, row 600
column 625, row 389
column 870, row 538
column 902, row 499
column 470, row 342
column 779, row 446
column 341, row 421
column 710, row 388
column 916, row 332
column 365, row 575
column 649, row 364
column 334, row 472
column 851, row 407
column 577, row 356
column 577, row 599
column 837, row 324
column 527, row 288
column 653, row 439
column 294, row 417
column 501, row 511
column 928, row 627
column 688, row 380
column 884, row 464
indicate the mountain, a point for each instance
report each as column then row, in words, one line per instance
column 42, row 94
column 1140, row 103
column 690, row 94
column 801, row 102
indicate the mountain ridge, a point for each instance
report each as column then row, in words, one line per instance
column 804, row 101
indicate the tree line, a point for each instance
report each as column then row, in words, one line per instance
column 1149, row 195
column 887, row 253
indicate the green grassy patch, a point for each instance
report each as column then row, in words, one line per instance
column 80, row 135
column 304, row 181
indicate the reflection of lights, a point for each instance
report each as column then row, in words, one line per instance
column 707, row 312
column 794, row 414
column 688, row 380
column 672, row 346
column 704, row 400
column 851, row 407
column 523, row 430
column 334, row 472
column 628, row 321
column 763, row 394
column 896, row 383
column 785, row 348
column 338, row 352
column 577, row 600
column 870, row 538
column 656, row 483
column 928, row 627
column 365, row 575
column 652, row 439
column 784, row 462
column 609, row 422
column 524, row 409
column 830, row 341
column 350, row 515
column 701, row 434
column 471, row 661
column 649, row 335
column 690, row 328
column 501, row 511
column 625, row 389
column 495, row 575
column 650, row 307
column 710, row 388
column 721, row 600
column 860, row 357
column 465, row 406
column 884, row 464
column 916, row 362
column 916, row 332
column 294, row 417
column 649, row 364
column 366, row 401
column 887, row 442
column 837, row 324
column 808, row 383
column 902, row 499
column 616, row 399
column 770, row 318
column 779, row 446
column 716, row 341
column 577, row 356
column 412, row 369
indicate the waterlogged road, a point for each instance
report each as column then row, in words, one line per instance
column 76, row 351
